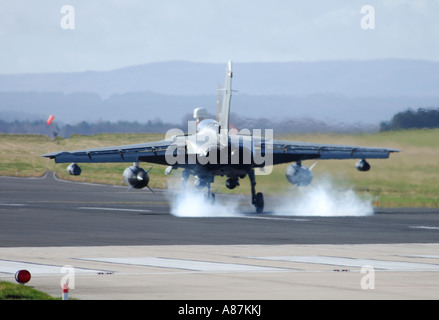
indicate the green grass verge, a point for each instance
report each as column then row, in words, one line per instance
column 12, row 291
column 407, row 179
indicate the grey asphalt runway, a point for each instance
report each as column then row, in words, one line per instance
column 127, row 245
column 49, row 212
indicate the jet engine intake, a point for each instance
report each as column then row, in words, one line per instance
column 298, row 175
column 136, row 177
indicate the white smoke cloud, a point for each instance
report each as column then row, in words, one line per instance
column 321, row 198
column 194, row 203
column 191, row 202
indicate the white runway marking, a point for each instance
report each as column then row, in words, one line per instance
column 114, row 209
column 201, row 266
column 424, row 256
column 12, row 204
column 12, row 267
column 424, row 227
column 274, row 218
column 351, row 262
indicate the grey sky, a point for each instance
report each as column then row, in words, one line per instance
column 117, row 33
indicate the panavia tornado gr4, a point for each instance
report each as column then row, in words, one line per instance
column 211, row 148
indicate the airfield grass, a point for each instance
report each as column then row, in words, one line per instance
column 408, row 179
column 13, row 291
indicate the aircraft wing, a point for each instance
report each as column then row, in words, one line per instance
column 153, row 152
column 283, row 151
column 289, row 151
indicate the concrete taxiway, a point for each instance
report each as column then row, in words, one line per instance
column 126, row 245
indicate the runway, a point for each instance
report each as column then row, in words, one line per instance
column 127, row 245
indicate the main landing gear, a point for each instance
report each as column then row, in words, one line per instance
column 205, row 181
column 210, row 196
column 257, row 198
column 201, row 182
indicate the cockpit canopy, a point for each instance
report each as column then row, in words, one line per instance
column 208, row 124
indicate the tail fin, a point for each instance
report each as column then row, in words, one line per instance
column 224, row 115
column 218, row 103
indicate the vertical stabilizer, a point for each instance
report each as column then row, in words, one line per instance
column 224, row 116
column 218, row 103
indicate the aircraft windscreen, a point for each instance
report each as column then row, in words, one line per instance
column 208, row 124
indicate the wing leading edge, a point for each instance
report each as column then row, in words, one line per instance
column 289, row 151
column 283, row 151
column 144, row 152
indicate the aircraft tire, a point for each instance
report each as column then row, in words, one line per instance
column 259, row 202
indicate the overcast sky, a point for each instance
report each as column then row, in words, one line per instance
column 110, row 34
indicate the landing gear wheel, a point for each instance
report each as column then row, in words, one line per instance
column 257, row 198
column 259, row 202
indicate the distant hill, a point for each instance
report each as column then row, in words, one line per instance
column 336, row 91
column 390, row 77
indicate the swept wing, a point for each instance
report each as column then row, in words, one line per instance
column 283, row 151
column 153, row 152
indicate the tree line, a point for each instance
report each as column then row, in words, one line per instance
column 283, row 126
column 83, row 128
column 412, row 119
column 409, row 119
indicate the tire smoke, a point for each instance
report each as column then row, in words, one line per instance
column 323, row 199
column 320, row 199
column 191, row 202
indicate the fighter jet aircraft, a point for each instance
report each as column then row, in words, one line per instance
column 211, row 148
